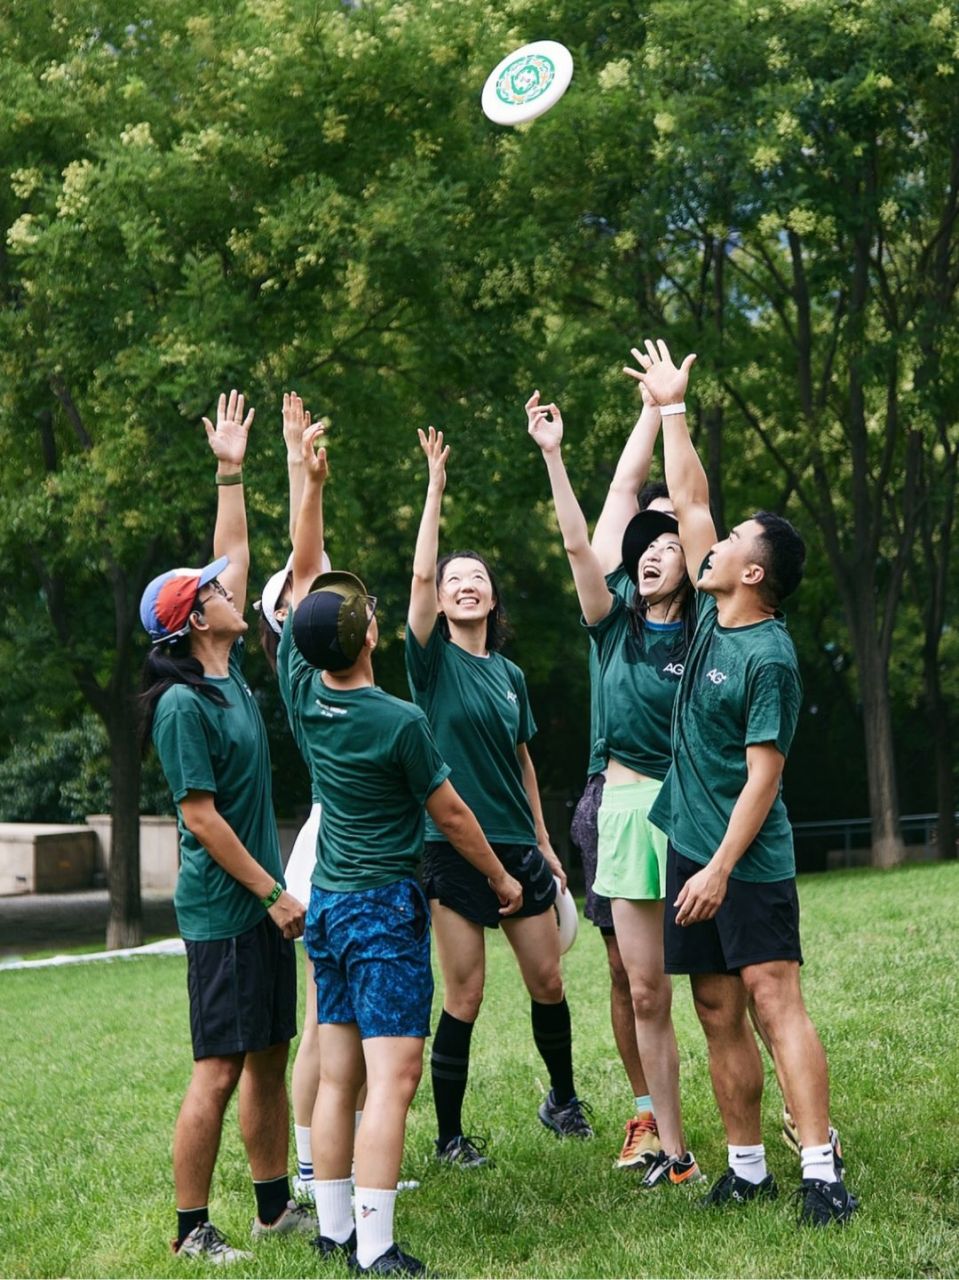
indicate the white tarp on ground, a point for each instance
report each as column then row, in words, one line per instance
column 165, row 947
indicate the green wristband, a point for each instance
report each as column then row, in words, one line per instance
column 272, row 896
column 235, row 478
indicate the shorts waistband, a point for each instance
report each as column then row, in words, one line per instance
column 627, row 795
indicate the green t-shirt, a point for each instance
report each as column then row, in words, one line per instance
column 224, row 750
column 375, row 765
column 479, row 710
column 620, row 584
column 638, row 677
column 741, row 687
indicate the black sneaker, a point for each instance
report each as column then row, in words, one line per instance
column 465, row 1153
column 328, row 1248
column 824, row 1202
column 731, row 1188
column 392, row 1263
column 568, row 1120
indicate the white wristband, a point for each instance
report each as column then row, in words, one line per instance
column 669, row 410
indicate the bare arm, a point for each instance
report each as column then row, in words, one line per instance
column 308, row 537
column 458, row 823
column 295, row 421
column 222, row 844
column 546, row 428
column 531, row 785
column 421, row 618
column 621, row 499
column 228, row 441
column 685, row 477
column 702, row 895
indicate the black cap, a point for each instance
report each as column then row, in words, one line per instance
column 640, row 532
column 330, row 625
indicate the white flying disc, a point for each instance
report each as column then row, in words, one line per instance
column 566, row 918
column 527, row 82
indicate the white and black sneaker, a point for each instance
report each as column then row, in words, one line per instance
column 463, row 1152
column 205, row 1242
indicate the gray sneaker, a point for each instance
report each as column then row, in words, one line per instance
column 568, row 1120
column 204, row 1241
column 296, row 1217
column 465, row 1153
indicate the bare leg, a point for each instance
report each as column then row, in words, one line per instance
column 196, row 1139
column 306, row 1064
column 461, row 949
column 639, row 931
column 796, row 1048
column 341, row 1076
column 734, row 1062
column 621, row 1017
column 265, row 1112
column 535, row 943
column 394, row 1065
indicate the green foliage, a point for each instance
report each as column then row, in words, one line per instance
column 111, row 1040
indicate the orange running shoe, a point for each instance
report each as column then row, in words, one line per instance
column 642, row 1144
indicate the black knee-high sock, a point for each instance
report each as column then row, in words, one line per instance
column 449, row 1068
column 553, row 1038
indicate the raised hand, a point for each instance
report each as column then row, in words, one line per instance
column 296, row 419
column 314, row 459
column 658, row 374
column 436, row 454
column 545, row 423
column 228, row 438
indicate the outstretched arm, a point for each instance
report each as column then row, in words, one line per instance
column 296, row 419
column 228, row 441
column 421, row 618
column 545, row 424
column 621, row 499
column 308, row 536
column 685, row 477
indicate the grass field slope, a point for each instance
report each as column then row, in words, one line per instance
column 96, row 1057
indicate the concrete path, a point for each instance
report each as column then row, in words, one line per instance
column 52, row 921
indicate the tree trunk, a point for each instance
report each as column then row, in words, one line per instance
column 938, row 713
column 888, row 848
column 125, row 925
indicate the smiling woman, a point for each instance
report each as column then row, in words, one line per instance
column 478, row 708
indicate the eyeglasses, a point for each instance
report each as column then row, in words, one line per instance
column 370, row 607
column 218, row 589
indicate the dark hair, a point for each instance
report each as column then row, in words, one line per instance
column 650, row 492
column 497, row 624
column 782, row 554
column 166, row 665
column 269, row 642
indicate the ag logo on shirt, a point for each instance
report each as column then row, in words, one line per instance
column 673, row 669
column 511, row 696
column 717, row 677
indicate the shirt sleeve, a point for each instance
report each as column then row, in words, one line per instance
column 600, row 631
column 420, row 759
column 179, row 735
column 422, row 661
column 774, row 697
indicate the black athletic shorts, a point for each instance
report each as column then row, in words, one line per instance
column 242, row 992
column 756, row 923
column 456, row 884
column 585, row 835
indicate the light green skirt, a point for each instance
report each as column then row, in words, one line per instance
column 631, row 857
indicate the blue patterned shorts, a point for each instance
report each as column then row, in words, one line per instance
column 371, row 958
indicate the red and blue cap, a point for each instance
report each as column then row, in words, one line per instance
column 168, row 601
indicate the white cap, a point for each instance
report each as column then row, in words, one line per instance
column 274, row 588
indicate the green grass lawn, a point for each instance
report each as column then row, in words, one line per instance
column 96, row 1058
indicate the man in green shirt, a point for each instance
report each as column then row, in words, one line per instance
column 233, row 912
column 732, row 920
column 377, row 767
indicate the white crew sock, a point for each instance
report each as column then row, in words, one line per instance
column 304, row 1152
column 748, row 1163
column 334, row 1211
column 818, row 1162
column 374, row 1223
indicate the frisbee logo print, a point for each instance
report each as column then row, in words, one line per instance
column 525, row 80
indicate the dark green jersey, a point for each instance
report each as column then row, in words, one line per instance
column 639, row 674
column 480, row 713
column 741, row 687
column 620, row 584
column 374, row 763
column 223, row 750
